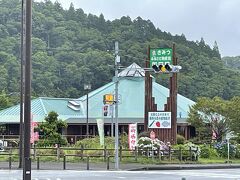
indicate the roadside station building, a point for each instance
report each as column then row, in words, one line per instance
column 131, row 108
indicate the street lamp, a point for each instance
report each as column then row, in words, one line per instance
column 87, row 87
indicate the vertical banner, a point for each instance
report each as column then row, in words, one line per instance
column 100, row 125
column 132, row 136
column 34, row 135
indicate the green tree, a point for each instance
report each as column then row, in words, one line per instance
column 4, row 101
column 78, row 45
column 208, row 116
column 233, row 113
column 51, row 129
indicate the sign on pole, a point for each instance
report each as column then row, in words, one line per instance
column 161, row 56
column 132, row 136
column 159, row 119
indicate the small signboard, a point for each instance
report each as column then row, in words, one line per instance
column 159, row 119
column 161, row 56
column 132, row 136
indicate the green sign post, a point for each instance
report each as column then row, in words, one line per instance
column 160, row 56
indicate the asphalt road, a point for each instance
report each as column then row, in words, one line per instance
column 217, row 174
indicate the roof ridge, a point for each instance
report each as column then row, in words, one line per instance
column 58, row 98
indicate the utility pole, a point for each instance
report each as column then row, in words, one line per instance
column 22, row 84
column 27, row 94
column 87, row 87
column 112, row 115
column 117, row 61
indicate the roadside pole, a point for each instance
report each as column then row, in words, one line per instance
column 112, row 111
column 27, row 94
column 228, row 144
column 117, row 60
column 22, row 84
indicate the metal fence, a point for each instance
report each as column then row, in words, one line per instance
column 82, row 155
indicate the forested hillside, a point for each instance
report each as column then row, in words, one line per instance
column 71, row 48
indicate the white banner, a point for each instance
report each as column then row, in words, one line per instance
column 100, row 125
column 159, row 119
column 132, row 136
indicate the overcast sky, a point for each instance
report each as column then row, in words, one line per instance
column 211, row 19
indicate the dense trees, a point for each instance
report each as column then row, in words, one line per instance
column 208, row 116
column 71, row 48
column 214, row 118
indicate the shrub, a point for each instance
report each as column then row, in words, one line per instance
column 222, row 149
column 144, row 134
column 123, row 140
column 145, row 144
column 205, row 151
column 185, row 150
column 180, row 139
column 237, row 151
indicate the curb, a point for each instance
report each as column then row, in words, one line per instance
column 231, row 166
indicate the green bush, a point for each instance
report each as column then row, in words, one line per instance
column 213, row 153
column 208, row 152
column 222, row 149
column 185, row 151
column 237, row 151
column 123, row 141
column 94, row 143
column 180, row 139
column 144, row 134
column 205, row 151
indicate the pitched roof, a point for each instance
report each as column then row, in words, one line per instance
column 133, row 70
column 40, row 107
column 131, row 105
column 131, row 95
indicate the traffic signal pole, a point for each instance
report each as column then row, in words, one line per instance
column 116, row 107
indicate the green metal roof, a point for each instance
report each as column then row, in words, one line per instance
column 40, row 107
column 131, row 106
column 132, row 96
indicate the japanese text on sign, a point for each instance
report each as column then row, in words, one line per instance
column 159, row 120
column 132, row 136
column 160, row 56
